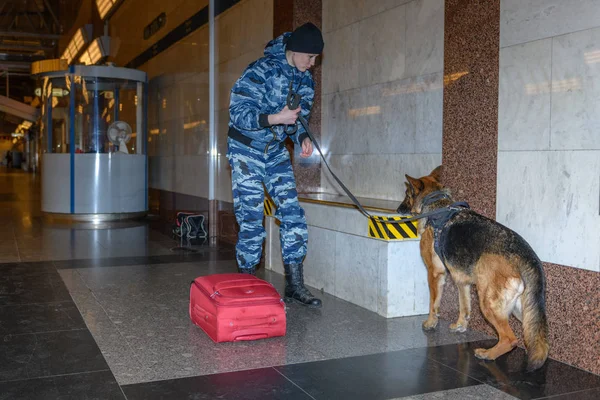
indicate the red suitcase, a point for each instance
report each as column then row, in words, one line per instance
column 234, row 307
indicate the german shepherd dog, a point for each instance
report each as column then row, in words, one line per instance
column 477, row 250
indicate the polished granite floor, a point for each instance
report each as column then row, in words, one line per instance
column 95, row 314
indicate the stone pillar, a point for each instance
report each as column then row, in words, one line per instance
column 289, row 14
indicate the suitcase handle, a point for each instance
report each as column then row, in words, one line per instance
column 239, row 283
column 251, row 337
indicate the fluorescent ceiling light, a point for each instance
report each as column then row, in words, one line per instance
column 77, row 43
column 105, row 6
column 94, row 53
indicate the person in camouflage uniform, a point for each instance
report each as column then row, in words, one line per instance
column 260, row 121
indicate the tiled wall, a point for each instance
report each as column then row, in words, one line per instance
column 544, row 171
column 178, row 117
column 179, row 87
column 242, row 33
column 288, row 15
column 382, row 92
column 549, row 128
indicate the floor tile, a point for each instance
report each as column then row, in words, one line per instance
column 264, row 384
column 89, row 386
column 22, row 266
column 593, row 394
column 508, row 372
column 468, row 393
column 99, row 262
column 341, row 329
column 158, row 331
column 48, row 354
column 12, row 257
column 32, row 288
column 26, row 269
column 374, row 377
column 205, row 255
column 34, row 318
column 115, row 347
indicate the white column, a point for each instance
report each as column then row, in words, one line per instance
column 138, row 122
column 212, row 139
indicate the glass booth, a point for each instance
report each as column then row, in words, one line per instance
column 93, row 142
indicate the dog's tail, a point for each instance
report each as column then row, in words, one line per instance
column 535, row 324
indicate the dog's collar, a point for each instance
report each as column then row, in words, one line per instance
column 433, row 197
column 462, row 204
column 440, row 195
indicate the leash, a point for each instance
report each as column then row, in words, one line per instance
column 439, row 211
column 293, row 101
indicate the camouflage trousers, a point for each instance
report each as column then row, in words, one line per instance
column 250, row 169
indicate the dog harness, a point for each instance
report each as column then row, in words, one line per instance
column 438, row 221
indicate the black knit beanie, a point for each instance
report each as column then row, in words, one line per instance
column 306, row 39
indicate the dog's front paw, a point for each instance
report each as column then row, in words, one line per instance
column 458, row 327
column 430, row 324
column 483, row 354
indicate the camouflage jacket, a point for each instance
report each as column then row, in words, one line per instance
column 262, row 90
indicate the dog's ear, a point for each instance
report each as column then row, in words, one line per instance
column 437, row 174
column 416, row 184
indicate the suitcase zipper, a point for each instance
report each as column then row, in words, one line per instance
column 212, row 296
column 255, row 303
column 235, row 287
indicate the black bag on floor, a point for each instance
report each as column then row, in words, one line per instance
column 190, row 226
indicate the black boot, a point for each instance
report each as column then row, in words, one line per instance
column 249, row 271
column 294, row 287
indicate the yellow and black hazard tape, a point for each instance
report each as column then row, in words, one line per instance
column 269, row 207
column 393, row 230
column 387, row 231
